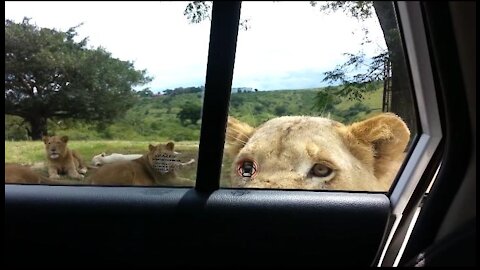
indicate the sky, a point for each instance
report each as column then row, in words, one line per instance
column 289, row 45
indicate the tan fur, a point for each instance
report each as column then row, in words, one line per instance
column 21, row 174
column 139, row 171
column 364, row 156
column 62, row 160
column 16, row 173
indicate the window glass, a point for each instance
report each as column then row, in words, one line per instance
column 111, row 81
column 321, row 98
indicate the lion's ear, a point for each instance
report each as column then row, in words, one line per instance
column 170, row 146
column 45, row 139
column 237, row 135
column 104, row 154
column 64, row 139
column 151, row 147
column 385, row 134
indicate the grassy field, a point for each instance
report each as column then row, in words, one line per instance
column 32, row 153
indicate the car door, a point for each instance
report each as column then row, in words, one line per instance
column 84, row 226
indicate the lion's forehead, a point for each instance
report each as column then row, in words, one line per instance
column 297, row 141
column 56, row 143
column 55, row 139
column 296, row 132
column 301, row 120
column 162, row 154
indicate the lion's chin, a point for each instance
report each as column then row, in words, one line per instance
column 54, row 156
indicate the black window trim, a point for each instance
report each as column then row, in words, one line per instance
column 221, row 59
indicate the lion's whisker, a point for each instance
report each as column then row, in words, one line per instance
column 239, row 132
column 236, row 138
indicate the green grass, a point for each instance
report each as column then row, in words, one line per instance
column 32, row 153
column 372, row 100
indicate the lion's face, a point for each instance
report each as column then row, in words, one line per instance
column 162, row 157
column 299, row 152
column 97, row 160
column 55, row 146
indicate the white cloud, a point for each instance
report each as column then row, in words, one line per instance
column 289, row 43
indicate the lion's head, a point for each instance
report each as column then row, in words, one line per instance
column 97, row 160
column 55, row 146
column 162, row 157
column 301, row 152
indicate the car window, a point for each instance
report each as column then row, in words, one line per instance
column 321, row 98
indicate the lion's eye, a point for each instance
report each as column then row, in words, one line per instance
column 321, row 170
column 247, row 168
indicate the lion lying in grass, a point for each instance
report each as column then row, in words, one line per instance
column 301, row 152
column 22, row 174
column 62, row 160
column 156, row 167
column 103, row 158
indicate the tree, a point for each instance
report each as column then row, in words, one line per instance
column 145, row 93
column 190, row 111
column 280, row 110
column 390, row 65
column 49, row 75
column 198, row 11
column 325, row 100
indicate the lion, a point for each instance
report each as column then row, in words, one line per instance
column 306, row 152
column 103, row 158
column 61, row 159
column 156, row 167
column 22, row 174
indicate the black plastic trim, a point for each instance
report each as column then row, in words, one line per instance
column 221, row 59
column 62, row 226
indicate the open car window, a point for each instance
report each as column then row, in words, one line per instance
column 326, row 108
column 90, row 88
column 321, row 98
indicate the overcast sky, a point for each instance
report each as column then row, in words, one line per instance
column 288, row 46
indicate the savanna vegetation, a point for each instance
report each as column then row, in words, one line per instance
column 155, row 119
column 177, row 117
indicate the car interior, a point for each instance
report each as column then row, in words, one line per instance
column 427, row 218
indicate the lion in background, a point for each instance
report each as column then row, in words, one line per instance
column 156, row 167
column 24, row 174
column 103, row 158
column 61, row 159
column 21, row 174
column 303, row 152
